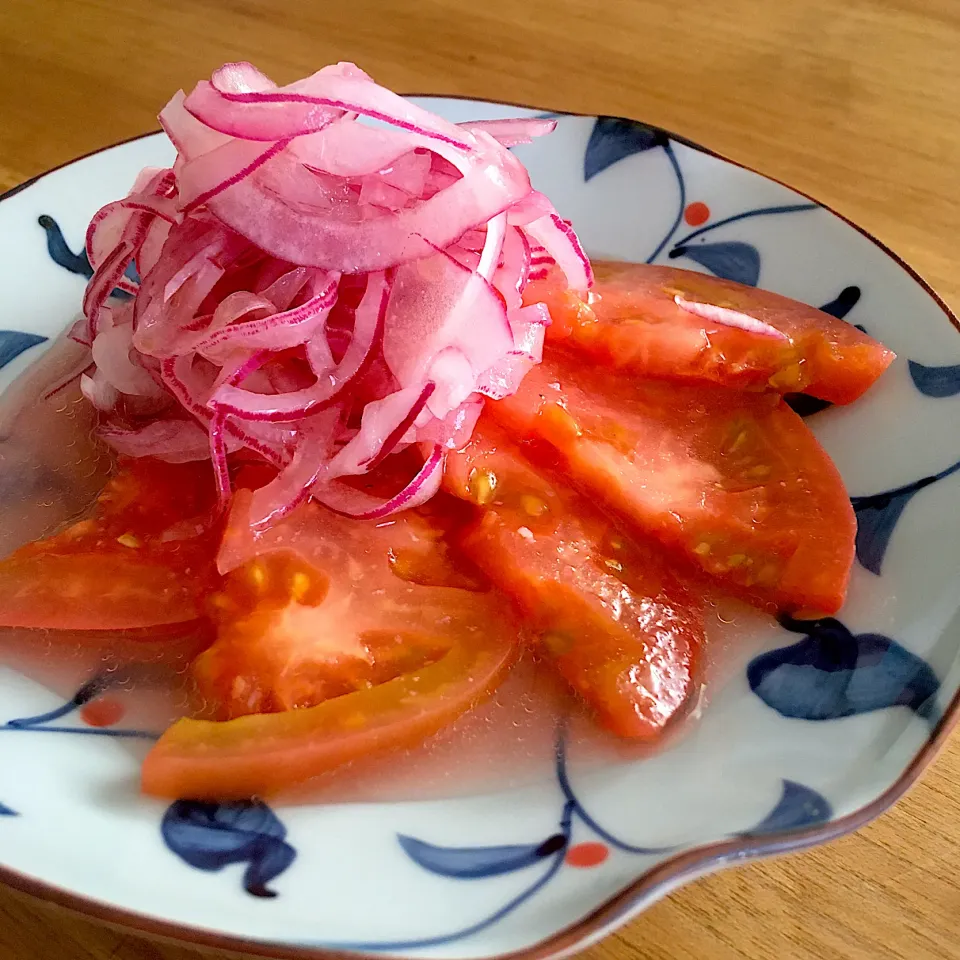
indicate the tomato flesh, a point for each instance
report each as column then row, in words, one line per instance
column 733, row 481
column 630, row 320
column 324, row 654
column 609, row 612
column 144, row 557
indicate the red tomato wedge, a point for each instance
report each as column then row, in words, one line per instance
column 325, row 655
column 144, row 557
column 734, row 481
column 663, row 322
column 609, row 613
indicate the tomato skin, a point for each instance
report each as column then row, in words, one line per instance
column 324, row 655
column 631, row 321
column 54, row 592
column 735, row 482
column 143, row 557
column 262, row 754
column 610, row 614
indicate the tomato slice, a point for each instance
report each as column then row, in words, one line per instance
column 324, row 655
column 609, row 612
column 144, row 556
column 734, row 481
column 630, row 320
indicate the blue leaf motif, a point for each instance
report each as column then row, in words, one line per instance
column 6, row 811
column 843, row 303
column 471, row 863
column 209, row 836
column 877, row 516
column 798, row 806
column 614, row 138
column 936, row 382
column 804, row 405
column 833, row 673
column 60, row 253
column 730, row 259
column 13, row 343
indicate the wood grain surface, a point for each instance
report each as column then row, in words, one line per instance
column 854, row 102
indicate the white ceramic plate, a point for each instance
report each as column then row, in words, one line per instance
column 809, row 731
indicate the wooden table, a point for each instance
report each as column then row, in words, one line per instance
column 857, row 103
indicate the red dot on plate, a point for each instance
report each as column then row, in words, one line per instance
column 102, row 713
column 696, row 213
column 587, row 854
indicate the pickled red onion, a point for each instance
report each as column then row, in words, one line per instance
column 729, row 318
column 315, row 291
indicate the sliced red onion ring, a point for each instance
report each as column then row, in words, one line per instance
column 492, row 246
column 175, row 441
column 560, row 241
column 362, row 506
column 456, row 428
column 494, row 179
column 218, row 455
column 241, row 77
column 209, row 174
column 504, row 377
column 282, row 291
column 513, row 272
column 112, row 354
column 190, row 137
column 286, row 407
column 729, row 318
column 303, row 271
column 382, row 426
column 106, row 277
column 292, row 486
column 99, row 391
column 532, row 207
column 439, row 304
column 274, row 331
column 512, row 132
column 310, row 104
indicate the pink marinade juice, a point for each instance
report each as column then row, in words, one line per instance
column 53, row 469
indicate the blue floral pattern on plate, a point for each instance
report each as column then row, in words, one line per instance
column 834, row 673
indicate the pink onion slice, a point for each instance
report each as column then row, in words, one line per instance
column 384, row 424
column 282, row 291
column 513, row 272
column 293, row 484
column 492, row 246
column 494, row 179
column 210, row 174
column 438, row 304
column 274, row 331
column 106, row 277
column 310, row 104
column 729, row 318
column 218, row 455
column 294, row 405
column 112, row 353
column 362, row 506
column 512, row 132
column 99, row 391
column 454, row 430
column 560, row 241
column 173, row 440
